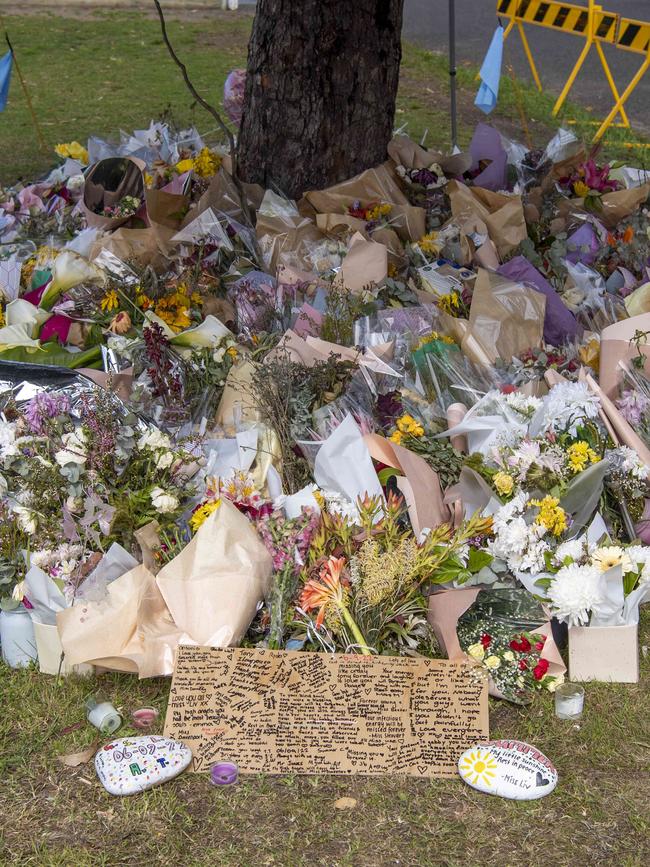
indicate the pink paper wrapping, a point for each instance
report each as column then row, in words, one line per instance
column 615, row 347
column 426, row 507
column 624, row 432
column 456, row 412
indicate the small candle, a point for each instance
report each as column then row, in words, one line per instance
column 145, row 717
column 104, row 717
column 569, row 701
column 224, row 774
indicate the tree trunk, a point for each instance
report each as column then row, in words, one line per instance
column 320, row 91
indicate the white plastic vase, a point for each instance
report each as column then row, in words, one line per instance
column 17, row 637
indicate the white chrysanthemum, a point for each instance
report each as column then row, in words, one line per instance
column 42, row 558
column 567, row 406
column 154, row 439
column 640, row 556
column 7, row 438
column 626, row 460
column 574, row 549
column 574, row 591
column 523, row 404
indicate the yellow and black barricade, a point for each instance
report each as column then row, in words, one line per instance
column 592, row 23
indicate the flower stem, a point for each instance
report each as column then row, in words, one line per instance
column 354, row 629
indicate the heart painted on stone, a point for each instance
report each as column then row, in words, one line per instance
column 126, row 766
column 510, row 769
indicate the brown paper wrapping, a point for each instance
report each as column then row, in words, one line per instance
column 422, row 493
column 287, row 240
column 374, row 185
column 616, row 348
column 213, row 586
column 237, row 403
column 139, row 245
column 105, row 633
column 502, row 215
column 96, row 196
column 366, row 263
column 148, row 539
column 616, row 206
column 407, row 153
column 505, row 318
column 208, row 594
column 165, row 212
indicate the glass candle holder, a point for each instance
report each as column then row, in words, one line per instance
column 224, row 774
column 101, row 714
column 569, row 701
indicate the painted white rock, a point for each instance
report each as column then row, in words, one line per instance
column 129, row 765
column 511, row 769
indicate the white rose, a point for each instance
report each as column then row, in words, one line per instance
column 218, row 354
column 164, row 460
column 154, row 439
column 75, row 183
column 74, row 504
column 163, row 501
column 557, row 681
column 74, row 451
column 26, row 519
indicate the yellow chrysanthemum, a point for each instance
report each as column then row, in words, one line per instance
column 207, row 163
column 435, row 336
column 581, row 189
column 551, row 515
column 429, row 244
column 203, row 513
column 449, row 303
column 406, row 424
column 110, row 301
column 378, row 211
column 580, row 455
column 396, row 437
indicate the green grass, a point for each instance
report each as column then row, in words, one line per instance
column 599, row 814
column 95, row 76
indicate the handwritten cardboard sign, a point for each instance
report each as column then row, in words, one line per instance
column 281, row 712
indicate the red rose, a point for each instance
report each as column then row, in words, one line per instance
column 539, row 645
column 540, row 669
column 508, row 389
column 521, row 646
column 486, row 640
column 523, row 665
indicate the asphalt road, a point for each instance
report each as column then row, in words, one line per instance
column 426, row 23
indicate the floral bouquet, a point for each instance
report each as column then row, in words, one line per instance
column 512, row 660
column 366, row 580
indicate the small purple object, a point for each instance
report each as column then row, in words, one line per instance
column 224, row 774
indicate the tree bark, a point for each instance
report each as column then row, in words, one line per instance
column 320, row 91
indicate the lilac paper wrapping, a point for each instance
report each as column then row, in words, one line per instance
column 559, row 323
column 486, row 145
column 585, row 236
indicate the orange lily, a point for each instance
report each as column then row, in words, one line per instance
column 327, row 590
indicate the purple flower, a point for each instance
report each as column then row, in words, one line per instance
column 633, row 406
column 43, row 407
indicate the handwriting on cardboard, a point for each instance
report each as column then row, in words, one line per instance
column 281, row 712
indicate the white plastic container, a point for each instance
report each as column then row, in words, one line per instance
column 17, row 637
